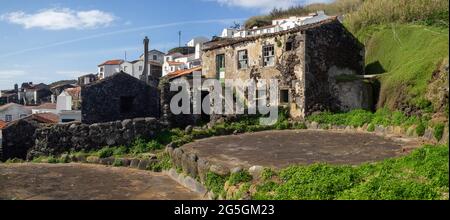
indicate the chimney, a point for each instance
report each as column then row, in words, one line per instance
column 145, row 72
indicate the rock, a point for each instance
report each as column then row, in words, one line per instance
column 93, row 159
column 107, row 161
column 219, row 170
column 202, row 168
column 188, row 129
column 313, row 125
column 428, row 135
column 143, row 164
column 134, row 163
column 256, row 171
column 177, row 156
column 236, row 170
column 189, row 164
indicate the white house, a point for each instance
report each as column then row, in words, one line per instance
column 64, row 109
column 108, row 68
column 13, row 111
column 278, row 25
column 155, row 56
column 177, row 61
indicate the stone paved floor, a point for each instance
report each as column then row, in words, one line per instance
column 279, row 149
column 86, row 182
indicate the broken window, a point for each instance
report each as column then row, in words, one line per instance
column 242, row 59
column 289, row 45
column 284, row 96
column 126, row 104
column 268, row 55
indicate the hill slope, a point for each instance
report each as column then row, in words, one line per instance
column 410, row 57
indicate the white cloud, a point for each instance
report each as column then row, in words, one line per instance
column 60, row 19
column 266, row 5
column 10, row 74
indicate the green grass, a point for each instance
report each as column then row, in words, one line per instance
column 439, row 131
column 421, row 175
column 358, row 118
column 408, row 54
column 239, row 177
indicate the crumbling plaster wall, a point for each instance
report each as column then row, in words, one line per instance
column 288, row 69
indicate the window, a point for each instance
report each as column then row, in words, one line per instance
column 242, row 59
column 155, row 57
column 167, row 59
column 126, row 104
column 23, row 115
column 8, row 118
column 125, row 68
column 268, row 55
column 140, row 68
column 101, row 69
column 284, row 96
column 289, row 45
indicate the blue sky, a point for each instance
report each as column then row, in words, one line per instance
column 50, row 40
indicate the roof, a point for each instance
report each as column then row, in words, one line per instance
column 45, row 106
column 74, row 92
column 174, row 63
column 111, row 62
column 223, row 42
column 180, row 73
column 2, row 124
column 9, row 105
column 45, row 118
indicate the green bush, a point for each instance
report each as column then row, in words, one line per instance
column 118, row 162
column 239, row 177
column 371, row 128
column 439, row 131
column 420, row 129
column 105, row 152
column 215, row 183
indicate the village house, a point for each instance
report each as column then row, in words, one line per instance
column 281, row 24
column 86, row 79
column 135, row 68
column 180, row 60
column 12, row 111
column 118, row 97
column 34, row 94
column 66, row 108
column 318, row 66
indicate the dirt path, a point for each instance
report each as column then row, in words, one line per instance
column 86, row 182
column 283, row 148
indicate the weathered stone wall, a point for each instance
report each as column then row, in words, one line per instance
column 61, row 138
column 332, row 52
column 118, row 97
column 18, row 138
column 288, row 68
column 167, row 117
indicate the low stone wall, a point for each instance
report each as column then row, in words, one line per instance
column 18, row 138
column 61, row 138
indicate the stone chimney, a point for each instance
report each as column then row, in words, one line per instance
column 145, row 72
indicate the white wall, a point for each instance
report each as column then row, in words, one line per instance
column 69, row 115
column 63, row 102
column 16, row 111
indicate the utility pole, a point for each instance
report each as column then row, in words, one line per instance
column 179, row 38
column 125, row 55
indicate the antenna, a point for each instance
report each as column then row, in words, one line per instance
column 125, row 55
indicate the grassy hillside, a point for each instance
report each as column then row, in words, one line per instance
column 409, row 55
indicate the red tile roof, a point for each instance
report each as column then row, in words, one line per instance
column 74, row 92
column 179, row 73
column 45, row 106
column 112, row 62
column 2, row 124
column 173, row 63
column 46, row 118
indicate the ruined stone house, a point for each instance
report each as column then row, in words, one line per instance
column 318, row 66
column 118, row 97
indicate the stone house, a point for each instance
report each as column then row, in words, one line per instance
column 318, row 66
column 118, row 97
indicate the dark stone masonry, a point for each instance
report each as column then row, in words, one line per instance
column 61, row 138
column 118, row 97
column 18, row 138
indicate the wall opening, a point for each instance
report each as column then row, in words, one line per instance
column 126, row 104
column 284, row 96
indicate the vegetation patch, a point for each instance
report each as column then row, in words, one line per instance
column 239, row 177
column 421, row 175
column 216, row 183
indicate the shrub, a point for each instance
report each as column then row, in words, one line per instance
column 267, row 174
column 118, row 162
column 239, row 177
column 420, row 129
column 105, row 152
column 371, row 128
column 119, row 151
column 439, row 131
column 215, row 183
